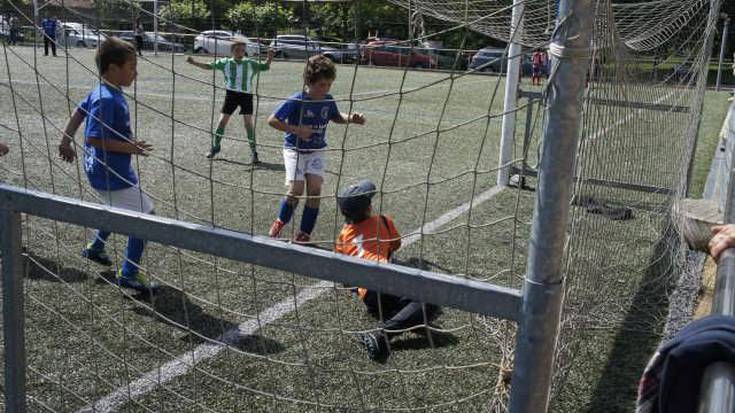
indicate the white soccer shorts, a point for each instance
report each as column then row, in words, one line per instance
column 298, row 164
column 132, row 198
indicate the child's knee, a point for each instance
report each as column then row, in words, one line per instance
column 313, row 202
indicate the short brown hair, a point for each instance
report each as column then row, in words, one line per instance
column 319, row 67
column 113, row 51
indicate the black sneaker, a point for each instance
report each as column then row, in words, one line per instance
column 254, row 158
column 376, row 345
column 96, row 255
column 213, row 152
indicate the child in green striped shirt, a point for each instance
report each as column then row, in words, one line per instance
column 239, row 74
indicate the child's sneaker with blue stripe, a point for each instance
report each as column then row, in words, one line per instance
column 97, row 255
column 139, row 281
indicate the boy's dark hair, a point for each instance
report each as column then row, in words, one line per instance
column 113, row 51
column 319, row 67
column 354, row 201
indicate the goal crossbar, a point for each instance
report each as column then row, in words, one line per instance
column 431, row 287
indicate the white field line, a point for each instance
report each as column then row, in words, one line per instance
column 181, row 365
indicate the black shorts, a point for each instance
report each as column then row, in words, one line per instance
column 234, row 99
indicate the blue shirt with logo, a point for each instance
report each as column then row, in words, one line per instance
column 108, row 118
column 299, row 110
column 49, row 27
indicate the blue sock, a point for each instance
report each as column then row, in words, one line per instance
column 100, row 238
column 308, row 219
column 286, row 211
column 133, row 254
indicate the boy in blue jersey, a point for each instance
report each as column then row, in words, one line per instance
column 108, row 146
column 304, row 117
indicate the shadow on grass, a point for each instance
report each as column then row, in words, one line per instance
column 261, row 165
column 44, row 269
column 422, row 264
column 421, row 340
column 173, row 307
column 634, row 345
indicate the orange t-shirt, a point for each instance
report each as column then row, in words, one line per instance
column 375, row 238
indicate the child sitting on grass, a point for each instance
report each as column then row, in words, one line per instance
column 375, row 237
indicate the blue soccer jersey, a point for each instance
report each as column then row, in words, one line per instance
column 49, row 27
column 108, row 118
column 300, row 110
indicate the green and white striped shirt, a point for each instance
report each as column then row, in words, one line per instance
column 239, row 74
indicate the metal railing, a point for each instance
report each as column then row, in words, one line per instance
column 718, row 382
column 473, row 296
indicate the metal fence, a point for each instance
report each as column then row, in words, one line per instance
column 718, row 382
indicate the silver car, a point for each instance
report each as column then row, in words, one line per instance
column 219, row 42
column 79, row 35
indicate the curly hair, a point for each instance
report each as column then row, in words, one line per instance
column 113, row 51
column 319, row 67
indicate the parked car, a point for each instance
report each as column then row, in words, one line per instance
column 490, row 59
column 449, row 59
column 219, row 42
column 338, row 51
column 395, row 53
column 294, row 46
column 164, row 45
column 79, row 35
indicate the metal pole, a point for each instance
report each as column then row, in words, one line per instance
column 717, row 392
column 155, row 27
column 511, row 94
column 35, row 12
column 718, row 382
column 725, row 28
column 543, row 291
column 13, row 328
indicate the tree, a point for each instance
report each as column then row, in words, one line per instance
column 193, row 13
column 258, row 19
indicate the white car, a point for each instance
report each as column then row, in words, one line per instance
column 79, row 35
column 219, row 42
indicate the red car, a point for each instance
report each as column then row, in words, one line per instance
column 394, row 53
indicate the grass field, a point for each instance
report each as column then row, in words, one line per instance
column 88, row 341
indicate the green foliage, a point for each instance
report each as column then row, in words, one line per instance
column 111, row 10
column 192, row 12
column 260, row 19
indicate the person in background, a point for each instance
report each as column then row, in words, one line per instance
column 50, row 27
column 14, row 30
column 139, row 35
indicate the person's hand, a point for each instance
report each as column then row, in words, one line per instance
column 4, row 149
column 66, row 152
column 723, row 238
column 141, row 147
column 357, row 118
column 303, row 132
column 189, row 59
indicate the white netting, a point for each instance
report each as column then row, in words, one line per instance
column 225, row 336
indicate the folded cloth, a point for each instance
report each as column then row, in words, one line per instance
column 672, row 379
